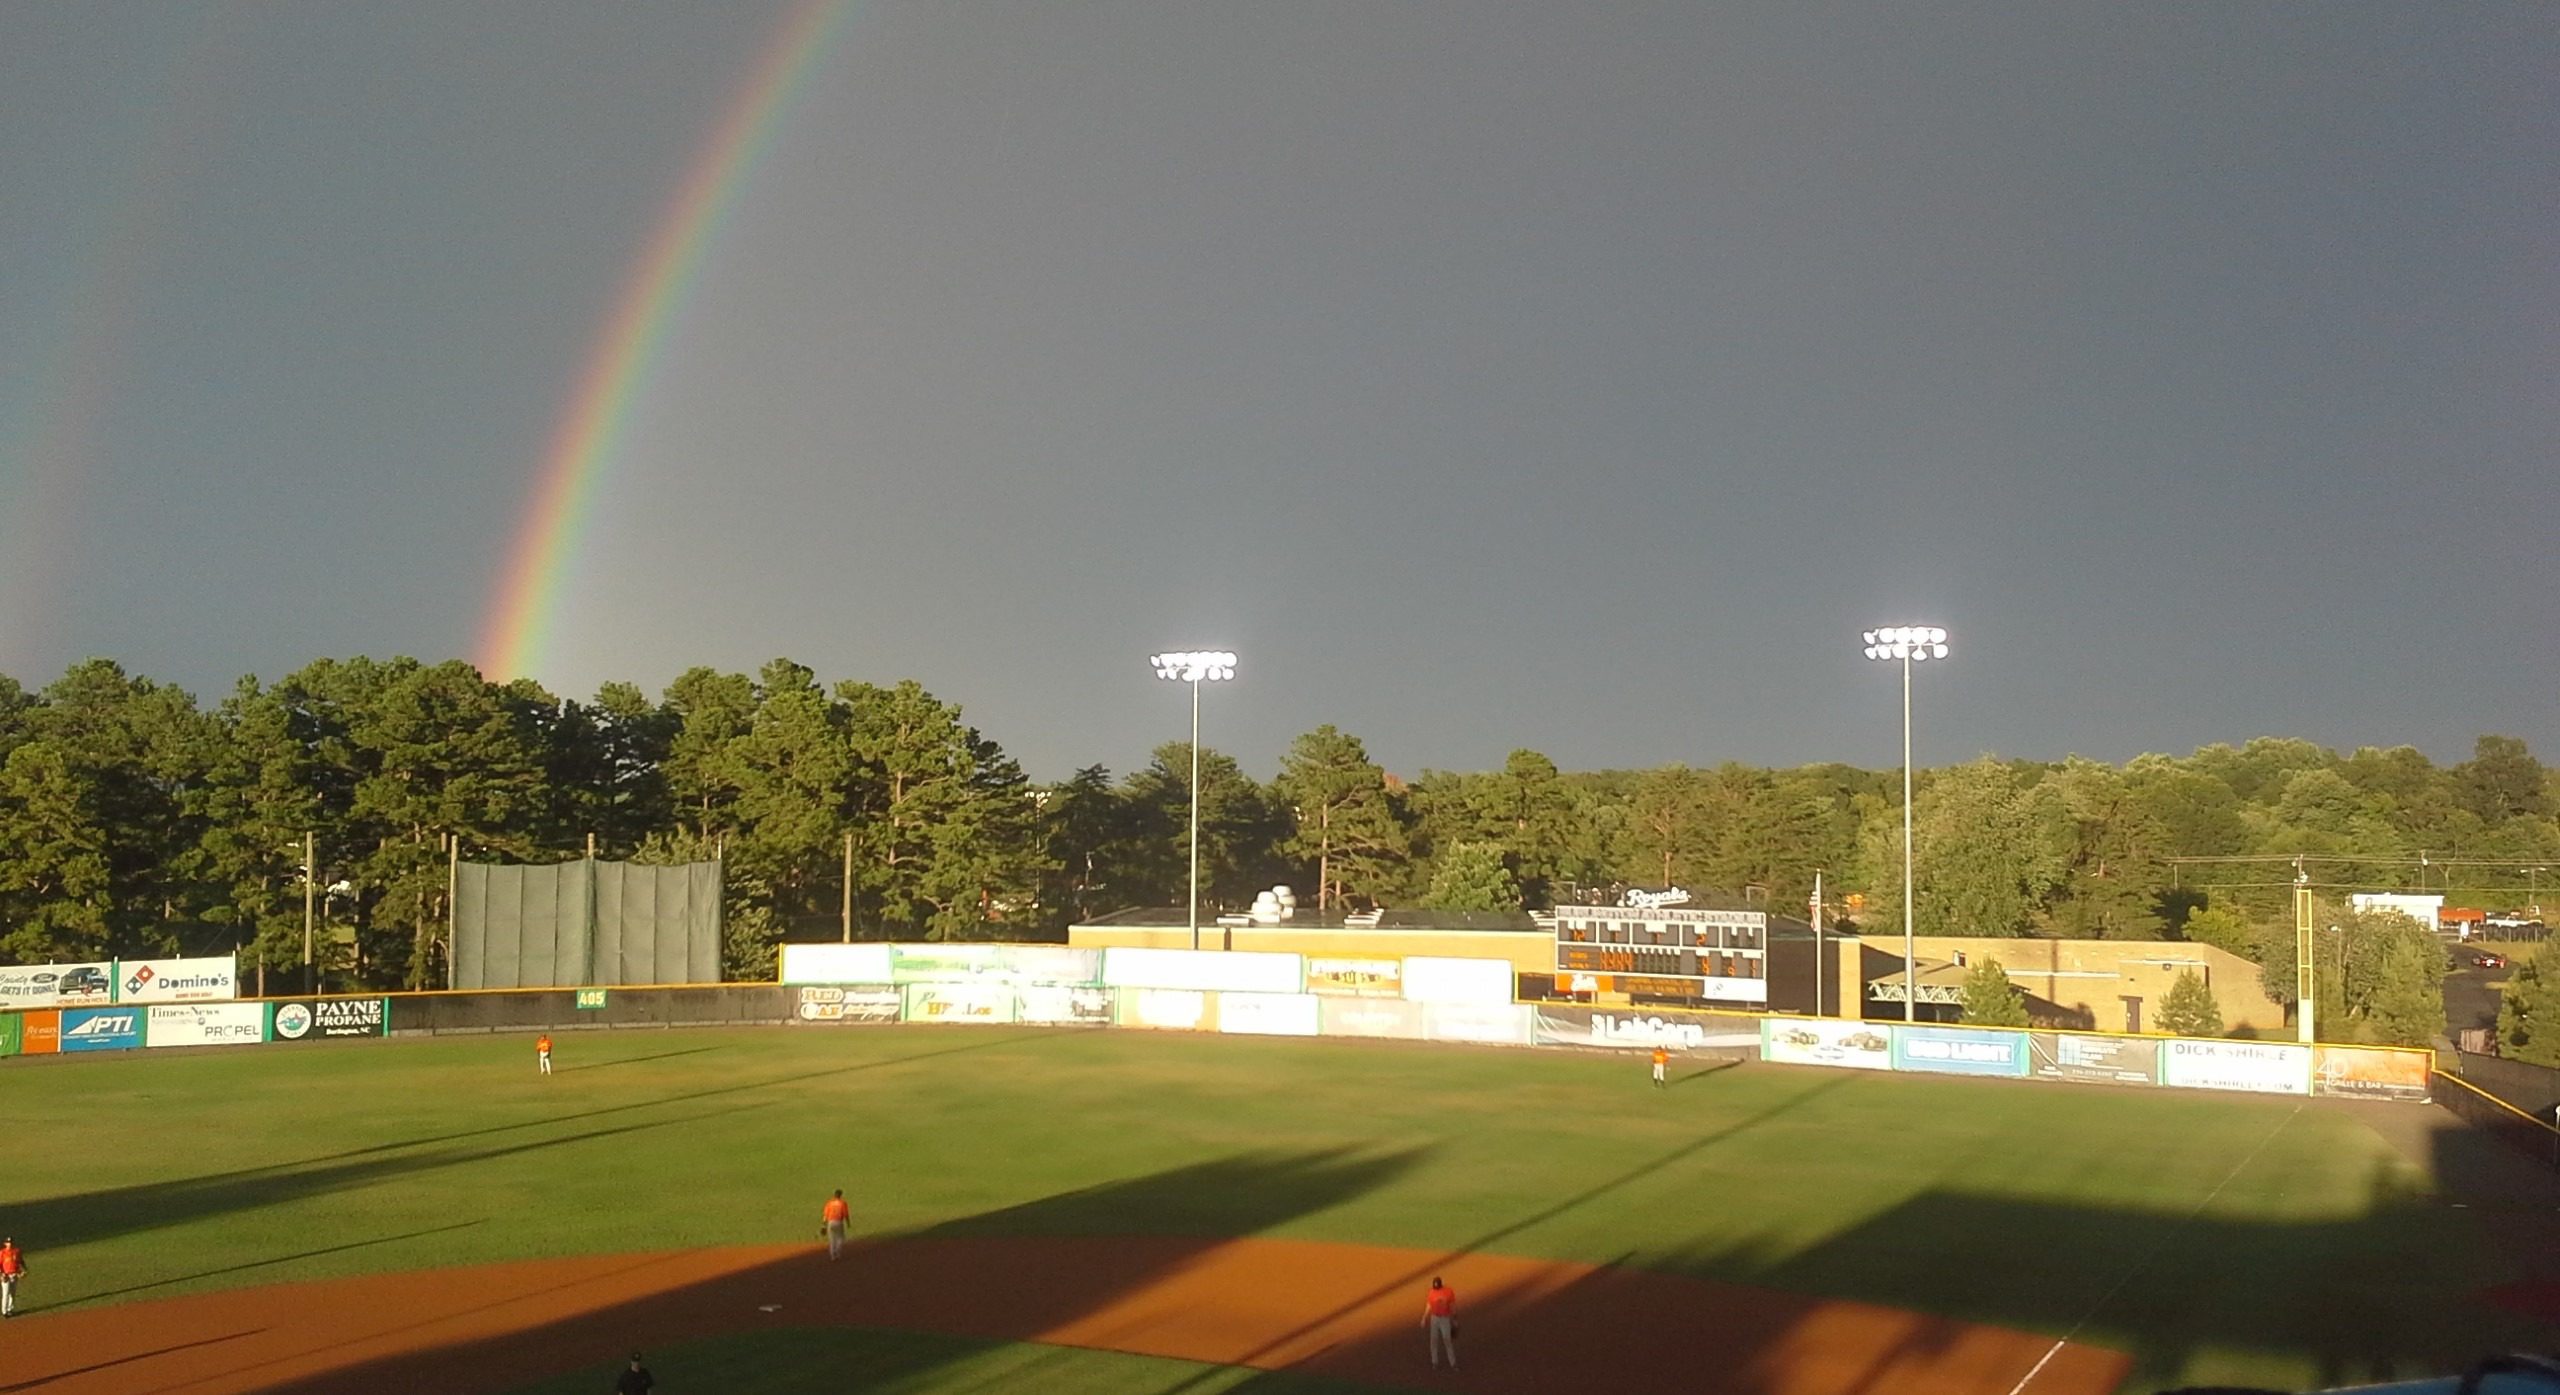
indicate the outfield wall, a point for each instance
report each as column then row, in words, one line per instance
column 2103, row 1058
column 1415, row 998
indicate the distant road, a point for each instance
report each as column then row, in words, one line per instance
column 2470, row 997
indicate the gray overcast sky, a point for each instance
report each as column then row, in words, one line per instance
column 1574, row 376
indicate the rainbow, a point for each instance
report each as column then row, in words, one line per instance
column 590, row 428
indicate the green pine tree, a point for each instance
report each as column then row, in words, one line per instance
column 2189, row 1010
column 1990, row 1000
column 1472, row 877
column 2529, row 1018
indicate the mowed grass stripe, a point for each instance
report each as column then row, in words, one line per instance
column 1996, row 1201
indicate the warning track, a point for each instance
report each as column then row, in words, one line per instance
column 1345, row 1311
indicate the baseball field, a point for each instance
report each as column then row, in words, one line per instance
column 1121, row 1211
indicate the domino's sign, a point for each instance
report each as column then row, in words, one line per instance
column 206, row 980
column 101, row 1029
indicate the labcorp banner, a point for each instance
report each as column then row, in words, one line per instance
column 2265, row 1068
column 176, row 980
column 1268, row 1014
column 56, row 985
column 1959, row 1050
column 861, row 1002
column 206, row 1024
column 2097, row 1060
column 2372, row 1072
column 1814, row 1041
column 311, row 1019
column 1636, row 1031
column 959, row 1002
column 967, row 963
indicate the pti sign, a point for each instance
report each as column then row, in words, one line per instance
column 101, row 1029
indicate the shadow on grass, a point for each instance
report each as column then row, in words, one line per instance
column 635, row 1060
column 280, row 1259
column 1189, row 1211
column 85, row 1216
column 1703, row 1072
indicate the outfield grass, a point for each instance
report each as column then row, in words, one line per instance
column 2214, row 1236
column 791, row 1361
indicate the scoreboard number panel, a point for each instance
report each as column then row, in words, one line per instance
column 1670, row 952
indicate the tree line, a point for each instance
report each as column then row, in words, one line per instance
column 135, row 820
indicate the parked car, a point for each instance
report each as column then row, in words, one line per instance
column 2488, row 961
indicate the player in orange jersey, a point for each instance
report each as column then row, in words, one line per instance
column 1661, row 1058
column 1440, row 1315
column 542, row 1048
column 12, row 1264
column 831, row 1221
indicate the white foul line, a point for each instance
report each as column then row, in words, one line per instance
column 2156, row 1251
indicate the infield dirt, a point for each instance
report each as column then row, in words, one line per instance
column 1343, row 1311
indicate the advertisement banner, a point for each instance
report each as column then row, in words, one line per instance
column 2266, row 1068
column 1268, row 1014
column 837, row 963
column 1960, row 1050
column 102, row 1029
column 1430, row 979
column 176, row 980
column 1639, row 1031
column 1206, row 970
column 2372, row 1072
column 2095, row 1060
column 973, row 963
column 311, row 1019
column 857, row 1003
column 1062, row 1005
column 206, row 1024
column 1819, row 1041
column 1369, row 1017
column 1355, row 978
column 1486, row 1024
column 56, row 985
column 12, row 1033
column 39, row 1032
column 959, row 1002
column 1171, row 1009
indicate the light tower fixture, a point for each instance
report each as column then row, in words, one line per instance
column 1907, row 645
column 1195, row 667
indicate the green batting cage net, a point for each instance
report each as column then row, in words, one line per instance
column 585, row 924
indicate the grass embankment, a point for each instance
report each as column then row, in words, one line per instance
column 2215, row 1236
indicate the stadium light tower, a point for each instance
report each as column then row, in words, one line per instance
column 1907, row 645
column 1195, row 667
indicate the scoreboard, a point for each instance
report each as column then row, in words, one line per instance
column 1654, row 951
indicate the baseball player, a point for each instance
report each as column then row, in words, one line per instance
column 1440, row 1315
column 542, row 1048
column 12, row 1264
column 831, row 1221
column 1661, row 1058
column 635, row 1380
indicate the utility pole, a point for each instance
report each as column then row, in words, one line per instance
column 310, row 885
column 848, row 886
column 452, row 894
column 1817, row 944
column 591, row 847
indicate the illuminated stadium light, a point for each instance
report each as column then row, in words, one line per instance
column 1907, row 645
column 1195, row 667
